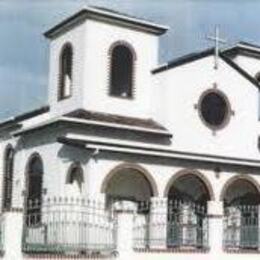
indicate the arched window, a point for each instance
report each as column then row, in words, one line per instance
column 8, row 178
column 75, row 176
column 34, row 190
column 121, row 74
column 65, row 81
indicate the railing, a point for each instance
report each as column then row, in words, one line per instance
column 184, row 225
column 241, row 228
column 69, row 226
column 187, row 225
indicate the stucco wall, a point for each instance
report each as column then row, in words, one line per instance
column 180, row 90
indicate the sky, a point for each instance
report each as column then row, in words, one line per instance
column 24, row 53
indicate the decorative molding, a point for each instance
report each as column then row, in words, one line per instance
column 228, row 113
column 125, row 165
column 233, row 179
column 191, row 172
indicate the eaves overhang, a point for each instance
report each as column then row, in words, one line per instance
column 148, row 150
column 107, row 16
column 88, row 123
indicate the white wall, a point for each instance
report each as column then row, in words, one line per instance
column 77, row 39
column 99, row 39
column 179, row 89
column 250, row 64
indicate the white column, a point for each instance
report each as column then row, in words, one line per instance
column 125, row 212
column 158, row 223
column 215, row 214
column 13, row 228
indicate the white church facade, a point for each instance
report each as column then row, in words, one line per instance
column 131, row 159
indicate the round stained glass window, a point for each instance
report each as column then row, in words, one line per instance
column 214, row 109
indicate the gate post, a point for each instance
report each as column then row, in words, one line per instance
column 125, row 211
column 13, row 228
column 158, row 223
column 215, row 215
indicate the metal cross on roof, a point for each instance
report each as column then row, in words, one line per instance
column 216, row 38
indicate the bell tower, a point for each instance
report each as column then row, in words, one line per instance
column 101, row 60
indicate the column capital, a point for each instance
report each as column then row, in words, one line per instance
column 215, row 208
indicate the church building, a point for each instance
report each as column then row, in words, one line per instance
column 131, row 159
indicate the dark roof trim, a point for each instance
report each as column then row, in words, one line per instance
column 9, row 124
column 33, row 113
column 147, row 123
column 250, row 44
column 242, row 50
column 184, row 60
column 15, row 120
column 195, row 56
column 239, row 70
column 239, row 48
column 105, row 16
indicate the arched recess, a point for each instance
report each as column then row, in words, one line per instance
column 33, row 195
column 122, row 65
column 241, row 199
column 75, row 178
column 243, row 181
column 65, row 71
column 129, row 181
column 188, row 193
column 196, row 175
column 8, row 178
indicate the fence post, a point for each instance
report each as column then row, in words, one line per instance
column 158, row 223
column 13, row 228
column 125, row 211
column 215, row 214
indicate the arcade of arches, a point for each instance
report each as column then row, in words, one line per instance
column 136, row 184
column 184, row 214
column 188, row 196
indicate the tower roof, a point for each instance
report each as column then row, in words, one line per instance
column 107, row 16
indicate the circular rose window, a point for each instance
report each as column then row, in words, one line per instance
column 214, row 109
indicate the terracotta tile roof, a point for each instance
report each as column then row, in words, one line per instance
column 115, row 119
